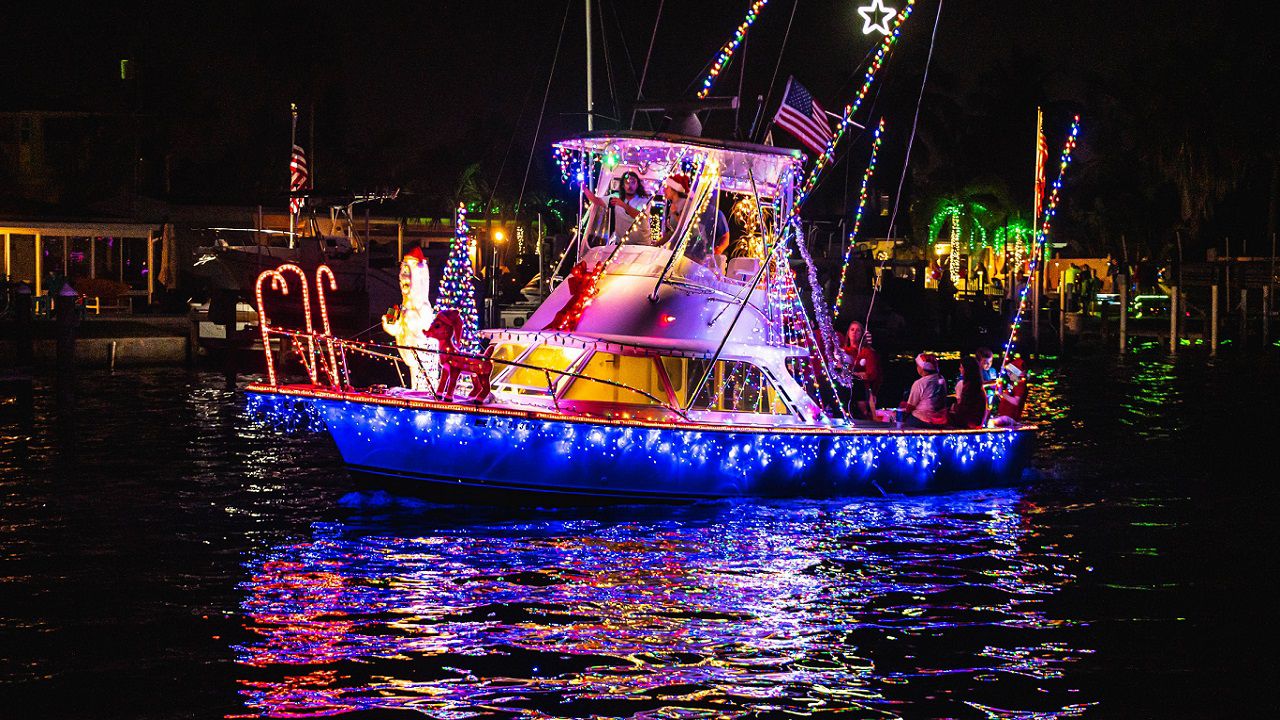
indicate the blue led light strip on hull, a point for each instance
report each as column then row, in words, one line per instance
column 493, row 451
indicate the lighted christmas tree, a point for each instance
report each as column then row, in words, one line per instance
column 456, row 290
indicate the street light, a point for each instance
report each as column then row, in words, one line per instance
column 499, row 237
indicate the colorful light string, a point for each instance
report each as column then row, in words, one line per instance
column 456, row 290
column 953, row 261
column 857, row 215
column 1042, row 235
column 726, row 52
column 846, row 118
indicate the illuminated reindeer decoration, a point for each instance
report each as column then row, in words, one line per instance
column 446, row 330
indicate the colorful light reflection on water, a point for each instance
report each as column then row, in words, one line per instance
column 161, row 558
column 721, row 610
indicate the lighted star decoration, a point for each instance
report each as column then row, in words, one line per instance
column 876, row 17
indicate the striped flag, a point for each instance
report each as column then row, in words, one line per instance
column 801, row 116
column 297, row 178
column 1042, row 158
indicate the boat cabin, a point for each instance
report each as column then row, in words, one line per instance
column 644, row 329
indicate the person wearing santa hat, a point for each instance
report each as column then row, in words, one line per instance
column 926, row 405
column 710, row 232
column 1011, row 393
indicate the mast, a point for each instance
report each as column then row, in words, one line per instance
column 1035, row 239
column 293, row 142
column 591, row 103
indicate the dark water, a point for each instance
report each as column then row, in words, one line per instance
column 162, row 557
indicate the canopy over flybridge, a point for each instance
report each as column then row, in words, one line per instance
column 657, row 154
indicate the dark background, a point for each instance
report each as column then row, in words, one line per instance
column 1178, row 132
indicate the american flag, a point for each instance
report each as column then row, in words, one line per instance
column 801, row 116
column 297, row 178
column 1042, row 158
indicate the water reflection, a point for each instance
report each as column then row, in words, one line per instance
column 719, row 610
column 1151, row 409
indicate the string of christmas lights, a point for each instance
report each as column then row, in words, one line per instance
column 456, row 289
column 726, row 52
column 954, row 260
column 846, row 118
column 857, row 215
column 1042, row 236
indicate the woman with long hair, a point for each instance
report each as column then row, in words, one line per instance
column 625, row 208
column 970, row 408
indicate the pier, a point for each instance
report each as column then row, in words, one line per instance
column 1225, row 302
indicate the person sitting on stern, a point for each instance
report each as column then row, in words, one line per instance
column 1011, row 394
column 926, row 405
column 970, row 408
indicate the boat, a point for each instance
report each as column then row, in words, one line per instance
column 649, row 374
column 366, row 285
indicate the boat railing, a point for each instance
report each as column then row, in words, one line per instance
column 321, row 351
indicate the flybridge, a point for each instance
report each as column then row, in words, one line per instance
column 655, row 155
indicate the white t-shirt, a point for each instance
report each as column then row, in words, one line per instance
column 929, row 398
column 636, row 229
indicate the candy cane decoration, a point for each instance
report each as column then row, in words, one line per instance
column 321, row 272
column 310, row 360
column 264, row 325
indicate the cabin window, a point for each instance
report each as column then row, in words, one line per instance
column 676, row 372
column 552, row 357
column 734, row 386
column 507, row 351
column 640, row 373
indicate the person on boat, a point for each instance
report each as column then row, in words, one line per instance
column 709, row 235
column 866, row 370
column 926, row 405
column 970, row 408
column 986, row 362
column 1011, row 394
column 625, row 209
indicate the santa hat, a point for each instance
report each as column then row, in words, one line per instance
column 1015, row 367
column 416, row 254
column 678, row 182
column 927, row 362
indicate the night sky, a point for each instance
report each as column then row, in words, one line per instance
column 408, row 94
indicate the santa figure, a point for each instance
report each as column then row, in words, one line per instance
column 408, row 322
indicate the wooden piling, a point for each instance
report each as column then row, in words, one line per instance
column 1244, row 317
column 67, row 318
column 1124, row 313
column 1266, row 313
column 1173, row 319
column 1213, row 319
column 23, row 308
column 1062, row 316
